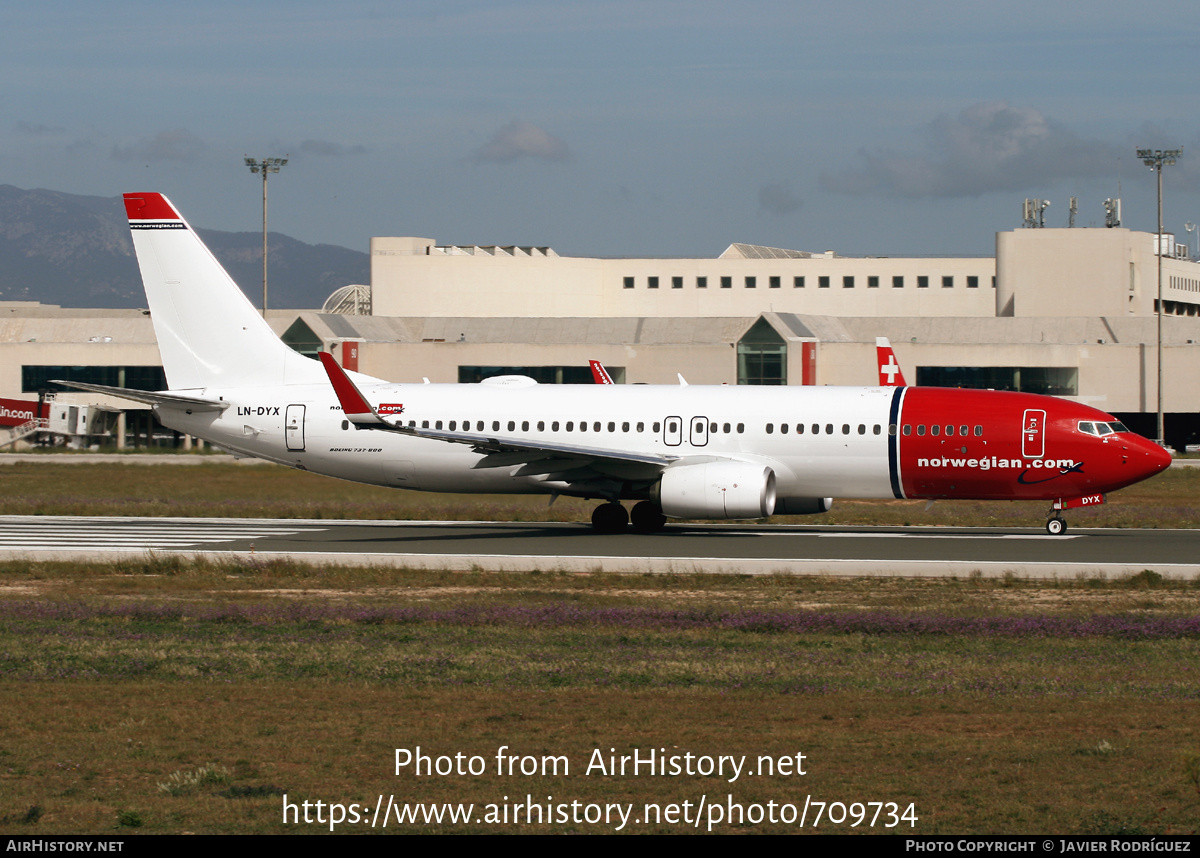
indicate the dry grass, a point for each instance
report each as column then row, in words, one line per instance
column 232, row 684
column 1171, row 499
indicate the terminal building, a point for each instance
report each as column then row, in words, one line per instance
column 1067, row 312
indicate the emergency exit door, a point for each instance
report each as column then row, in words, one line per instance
column 294, row 428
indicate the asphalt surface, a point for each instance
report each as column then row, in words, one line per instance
column 712, row 548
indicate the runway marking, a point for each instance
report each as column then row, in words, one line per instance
column 116, row 535
column 943, row 536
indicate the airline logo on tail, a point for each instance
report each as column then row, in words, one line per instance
column 890, row 374
column 599, row 373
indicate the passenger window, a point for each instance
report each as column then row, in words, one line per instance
column 655, row 427
column 596, row 427
column 511, row 425
column 978, row 431
column 641, row 427
column 770, row 428
column 453, row 423
column 345, row 425
column 541, row 425
column 437, row 425
column 726, row 428
column 582, row 426
column 612, row 427
column 920, row 428
column 845, row 428
column 624, row 427
column 741, row 427
column 949, row 431
column 495, row 425
column 412, row 424
column 962, row 430
column 934, row 430
column 892, row 429
column 479, row 426
column 783, row 427
column 828, row 428
column 816, row 429
column 524, row 425
column 862, row 429
column 554, row 426
column 907, row 428
column 712, row 427
column 878, row 429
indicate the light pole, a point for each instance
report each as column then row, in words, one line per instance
column 265, row 166
column 1156, row 159
column 1191, row 227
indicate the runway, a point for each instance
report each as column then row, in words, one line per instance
column 708, row 548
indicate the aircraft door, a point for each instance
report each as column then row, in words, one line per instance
column 1033, row 434
column 673, row 431
column 699, row 436
column 294, row 428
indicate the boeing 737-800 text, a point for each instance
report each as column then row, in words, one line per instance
column 680, row 451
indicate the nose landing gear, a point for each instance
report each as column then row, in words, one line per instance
column 1056, row 526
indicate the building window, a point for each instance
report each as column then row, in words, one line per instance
column 972, row 282
column 726, row 282
column 701, row 282
column 37, row 378
column 1050, row 380
column 822, row 282
column 872, row 282
column 751, row 282
column 628, row 282
column 540, row 374
column 651, row 282
column 797, row 282
column 898, row 281
column 848, row 282
column 676, row 282
column 762, row 356
column 993, row 282
column 922, row 282
column 948, row 282
column 774, row 282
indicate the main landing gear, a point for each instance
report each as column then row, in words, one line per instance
column 647, row 517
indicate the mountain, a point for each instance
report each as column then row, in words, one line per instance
column 75, row 251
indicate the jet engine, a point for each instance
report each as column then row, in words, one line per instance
column 717, row 490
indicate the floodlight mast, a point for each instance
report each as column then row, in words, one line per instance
column 265, row 166
column 1156, row 159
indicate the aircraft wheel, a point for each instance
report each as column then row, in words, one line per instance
column 1056, row 526
column 647, row 517
column 610, row 518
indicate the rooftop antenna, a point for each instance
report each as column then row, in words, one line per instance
column 1071, row 212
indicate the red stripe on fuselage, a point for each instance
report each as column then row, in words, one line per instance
column 992, row 465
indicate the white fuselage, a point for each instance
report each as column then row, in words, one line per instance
column 303, row 426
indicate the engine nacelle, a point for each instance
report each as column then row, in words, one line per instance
column 717, row 490
column 802, row 506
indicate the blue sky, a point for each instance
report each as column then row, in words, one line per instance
column 612, row 128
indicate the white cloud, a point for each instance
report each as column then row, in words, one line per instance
column 987, row 147
column 178, row 144
column 522, row 140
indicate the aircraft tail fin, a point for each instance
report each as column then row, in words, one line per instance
column 599, row 373
column 209, row 334
column 890, row 374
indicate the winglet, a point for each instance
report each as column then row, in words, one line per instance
column 890, row 374
column 354, row 404
column 599, row 373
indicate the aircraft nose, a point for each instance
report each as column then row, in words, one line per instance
column 1148, row 458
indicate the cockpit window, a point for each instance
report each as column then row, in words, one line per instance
column 1103, row 429
column 1118, row 426
column 1088, row 427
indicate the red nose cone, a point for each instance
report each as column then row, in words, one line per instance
column 1149, row 458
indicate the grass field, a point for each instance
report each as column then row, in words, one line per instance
column 1171, row 499
column 168, row 696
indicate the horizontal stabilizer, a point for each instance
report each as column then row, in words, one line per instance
column 151, row 397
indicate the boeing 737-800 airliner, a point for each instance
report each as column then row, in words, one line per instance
column 680, row 451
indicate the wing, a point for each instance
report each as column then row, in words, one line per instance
column 535, row 456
